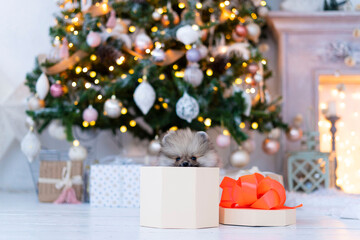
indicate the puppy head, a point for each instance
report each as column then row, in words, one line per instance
column 184, row 147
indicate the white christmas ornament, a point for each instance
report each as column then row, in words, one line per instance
column 112, row 107
column 239, row 158
column 144, row 97
column 187, row 35
column 29, row 122
column 258, row 77
column 77, row 152
column 203, row 51
column 187, row 108
column 42, row 86
column 85, row 5
column 143, row 41
column 193, row 75
column 239, row 50
column 30, row 145
column 254, row 31
column 57, row 130
column 223, row 140
column 34, row 103
column 93, row 39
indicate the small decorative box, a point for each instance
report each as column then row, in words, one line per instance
column 175, row 197
column 115, row 185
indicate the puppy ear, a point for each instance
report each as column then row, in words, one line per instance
column 203, row 135
column 163, row 141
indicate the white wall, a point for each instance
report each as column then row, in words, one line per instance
column 24, row 35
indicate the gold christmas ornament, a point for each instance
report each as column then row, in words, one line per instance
column 270, row 146
column 240, row 158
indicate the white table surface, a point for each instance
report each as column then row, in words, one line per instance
column 23, row 217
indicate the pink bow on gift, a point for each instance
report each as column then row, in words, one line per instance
column 68, row 194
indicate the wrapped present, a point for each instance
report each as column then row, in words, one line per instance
column 255, row 200
column 175, row 197
column 115, row 185
column 60, row 181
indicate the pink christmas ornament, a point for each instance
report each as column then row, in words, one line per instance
column 56, row 90
column 252, row 68
column 241, row 30
column 111, row 22
column 90, row 114
column 93, row 39
column 223, row 140
column 64, row 49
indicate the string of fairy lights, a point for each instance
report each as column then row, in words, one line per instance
column 74, row 28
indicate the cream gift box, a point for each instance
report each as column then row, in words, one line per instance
column 179, row 197
column 114, row 185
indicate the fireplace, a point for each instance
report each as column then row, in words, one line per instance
column 312, row 72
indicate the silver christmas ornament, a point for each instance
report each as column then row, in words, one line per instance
column 57, row 130
column 193, row 75
column 154, row 146
column 187, row 35
column 144, row 97
column 30, row 145
column 239, row 158
column 112, row 107
column 187, row 108
column 42, row 86
column 156, row 15
column 158, row 55
column 77, row 153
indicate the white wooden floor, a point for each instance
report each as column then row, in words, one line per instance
column 22, row 217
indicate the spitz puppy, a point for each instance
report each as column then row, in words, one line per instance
column 189, row 149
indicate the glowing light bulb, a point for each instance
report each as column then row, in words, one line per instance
column 209, row 72
column 254, row 125
column 207, row 122
column 132, row 123
column 181, row 5
column 132, row 29
column 123, row 129
column 76, row 143
column 111, row 68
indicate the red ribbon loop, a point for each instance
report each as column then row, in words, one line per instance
column 253, row 191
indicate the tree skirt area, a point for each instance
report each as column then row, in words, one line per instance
column 330, row 202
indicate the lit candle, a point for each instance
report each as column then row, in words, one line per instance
column 331, row 109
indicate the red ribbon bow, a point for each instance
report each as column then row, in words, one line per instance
column 253, row 191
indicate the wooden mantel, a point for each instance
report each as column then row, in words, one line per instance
column 305, row 53
column 333, row 21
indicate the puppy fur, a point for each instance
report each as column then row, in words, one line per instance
column 185, row 148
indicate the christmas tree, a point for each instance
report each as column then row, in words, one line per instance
column 147, row 66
